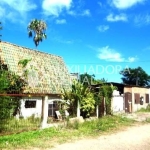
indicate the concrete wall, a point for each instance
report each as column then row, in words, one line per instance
column 117, row 102
column 37, row 111
column 27, row 112
column 140, row 90
column 127, row 89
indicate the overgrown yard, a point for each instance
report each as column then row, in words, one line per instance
column 63, row 133
column 12, row 125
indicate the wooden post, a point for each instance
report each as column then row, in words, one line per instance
column 44, row 112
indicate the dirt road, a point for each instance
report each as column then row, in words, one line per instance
column 132, row 138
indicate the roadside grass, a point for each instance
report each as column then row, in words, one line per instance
column 47, row 138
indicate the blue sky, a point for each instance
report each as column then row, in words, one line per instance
column 99, row 37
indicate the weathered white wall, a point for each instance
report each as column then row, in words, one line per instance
column 117, row 102
column 27, row 112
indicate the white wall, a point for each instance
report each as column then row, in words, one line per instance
column 27, row 112
column 117, row 102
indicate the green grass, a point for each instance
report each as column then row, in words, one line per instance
column 13, row 125
column 48, row 137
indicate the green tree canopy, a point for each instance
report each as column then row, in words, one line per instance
column 135, row 76
column 37, row 27
column 88, row 79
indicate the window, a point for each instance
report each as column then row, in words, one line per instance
column 137, row 98
column 52, row 108
column 147, row 98
column 30, row 104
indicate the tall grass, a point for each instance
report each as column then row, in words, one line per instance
column 48, row 137
column 13, row 125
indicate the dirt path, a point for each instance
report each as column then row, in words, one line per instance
column 132, row 138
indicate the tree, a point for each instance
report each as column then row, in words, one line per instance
column 9, row 84
column 135, row 76
column 81, row 97
column 88, row 79
column 37, row 27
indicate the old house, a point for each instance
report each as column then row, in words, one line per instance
column 130, row 98
column 127, row 98
column 46, row 76
column 136, row 97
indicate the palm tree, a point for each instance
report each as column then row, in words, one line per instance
column 37, row 27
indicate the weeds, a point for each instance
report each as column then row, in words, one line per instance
column 48, row 137
column 14, row 125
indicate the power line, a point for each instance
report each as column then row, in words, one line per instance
column 144, row 61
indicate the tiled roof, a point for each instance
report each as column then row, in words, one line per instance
column 46, row 73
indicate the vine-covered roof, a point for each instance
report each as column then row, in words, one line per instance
column 45, row 73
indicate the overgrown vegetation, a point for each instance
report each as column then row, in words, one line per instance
column 48, row 137
column 85, row 99
column 14, row 125
column 81, row 98
column 9, row 84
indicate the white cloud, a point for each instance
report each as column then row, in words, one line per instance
column 72, row 13
column 62, row 40
column 103, row 28
column 60, row 21
column 140, row 20
column 15, row 10
column 124, row 4
column 55, row 7
column 108, row 54
column 115, row 18
column 2, row 12
column 132, row 59
column 86, row 13
column 19, row 5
